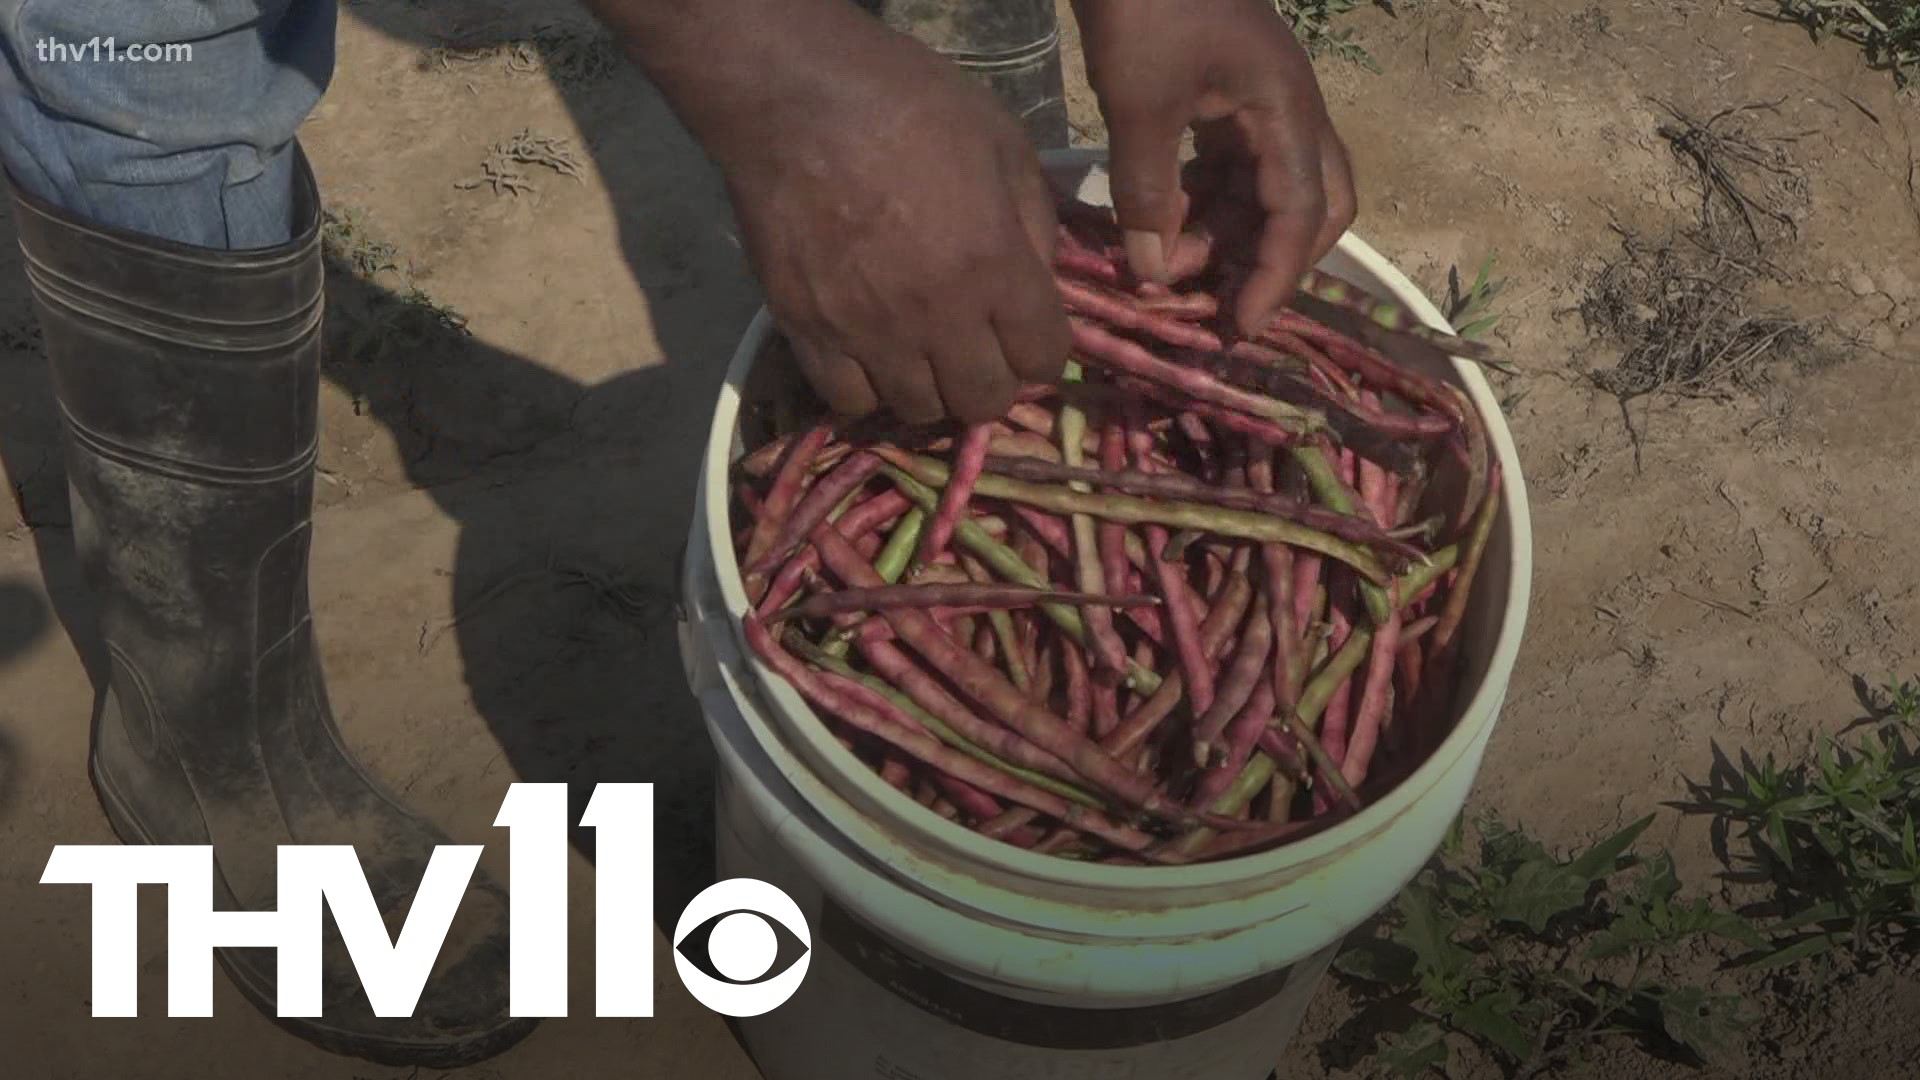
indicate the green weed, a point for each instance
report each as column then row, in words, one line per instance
column 376, row 325
column 1313, row 24
column 1470, row 311
column 1888, row 31
column 1534, row 958
column 1835, row 837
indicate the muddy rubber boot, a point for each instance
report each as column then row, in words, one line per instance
column 188, row 383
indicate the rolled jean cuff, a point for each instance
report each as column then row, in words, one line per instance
column 195, row 147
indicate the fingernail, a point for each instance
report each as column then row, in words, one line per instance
column 1147, row 255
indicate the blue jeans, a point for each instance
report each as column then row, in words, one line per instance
column 196, row 148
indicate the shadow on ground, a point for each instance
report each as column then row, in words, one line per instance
column 585, row 686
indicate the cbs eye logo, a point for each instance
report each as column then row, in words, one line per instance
column 742, row 947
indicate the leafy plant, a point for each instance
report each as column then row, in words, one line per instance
column 1533, row 957
column 348, row 241
column 1470, row 311
column 378, row 325
column 1313, row 25
column 1887, row 30
column 1836, row 836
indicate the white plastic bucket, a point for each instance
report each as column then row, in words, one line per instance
column 939, row 955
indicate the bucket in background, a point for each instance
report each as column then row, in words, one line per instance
column 1012, row 47
column 939, row 955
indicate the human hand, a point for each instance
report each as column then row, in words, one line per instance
column 1270, row 171
column 901, row 227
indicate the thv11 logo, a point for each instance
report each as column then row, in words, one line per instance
column 737, row 923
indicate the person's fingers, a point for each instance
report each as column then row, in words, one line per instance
column 971, row 372
column 905, row 383
column 1144, row 170
column 839, row 381
column 1033, row 202
column 1192, row 252
column 1224, row 214
column 1286, row 153
column 1219, row 143
column 1336, row 180
column 1221, row 227
column 1032, row 329
column 1028, row 324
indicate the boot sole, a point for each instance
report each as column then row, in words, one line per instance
column 395, row 1052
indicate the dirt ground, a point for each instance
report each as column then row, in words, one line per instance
column 508, row 472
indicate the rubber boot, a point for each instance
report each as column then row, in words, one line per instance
column 1012, row 46
column 188, row 383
